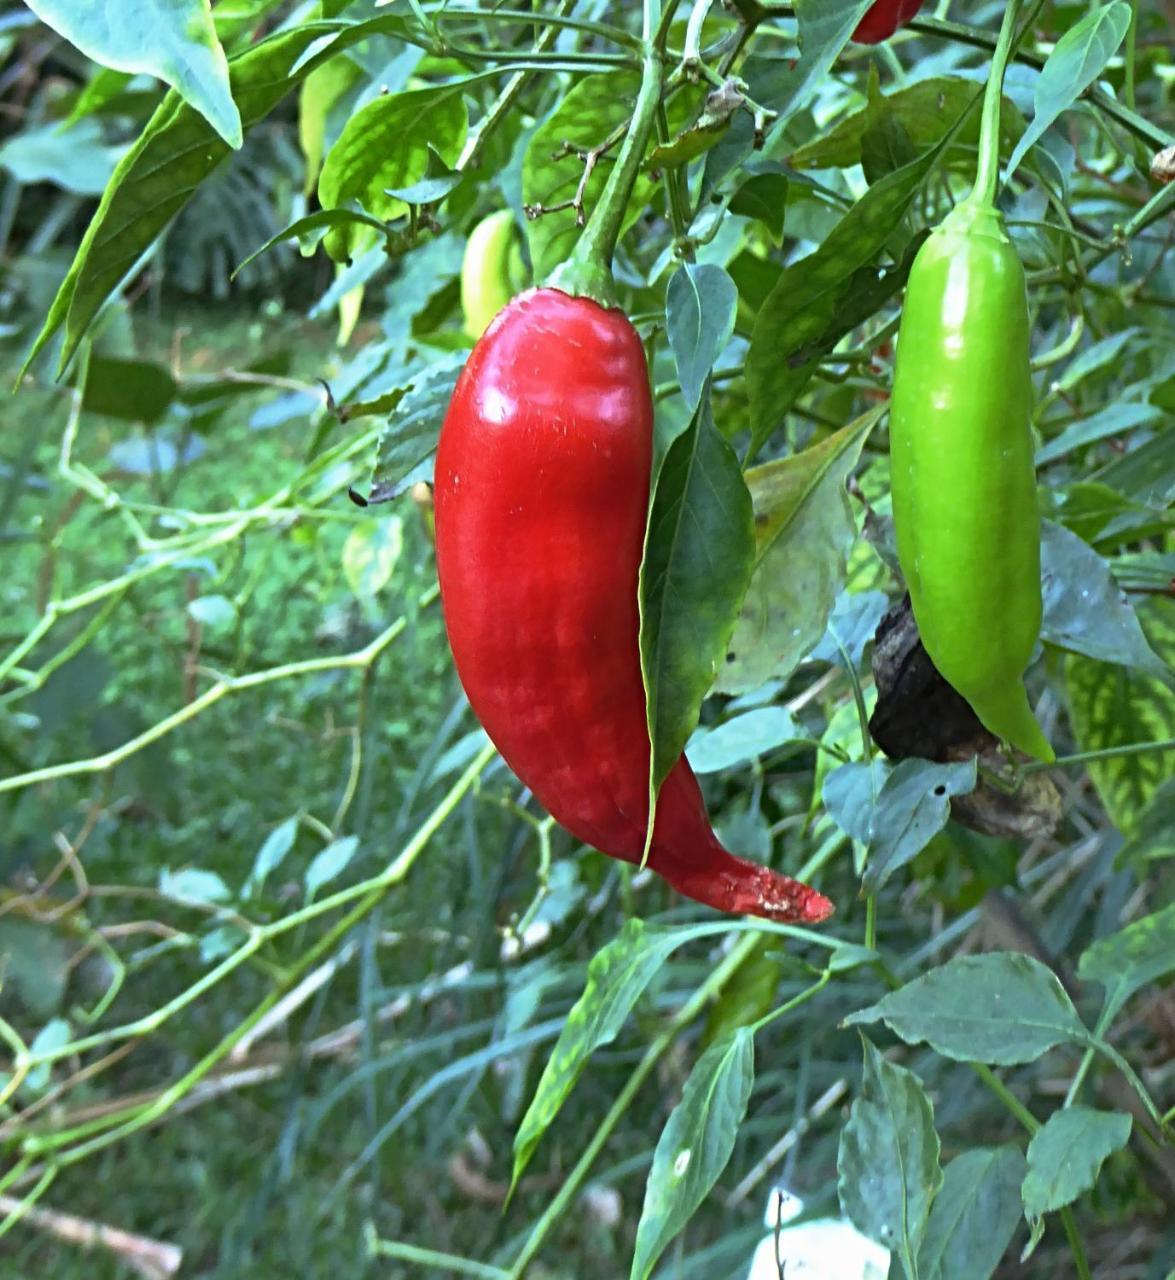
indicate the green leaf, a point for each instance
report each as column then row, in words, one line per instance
column 974, row 1216
column 1066, row 1154
column 589, row 114
column 923, row 110
column 851, row 792
column 320, row 93
column 193, row 884
column 102, row 87
column 75, row 159
column 886, row 144
column 214, row 612
column 1080, row 56
column 1153, row 835
column 175, row 152
column 35, row 959
column 271, row 855
column 804, row 527
column 913, row 807
column 820, row 298
column 742, row 739
column 1098, row 356
column 697, row 562
column 309, row 230
column 695, row 1145
column 55, row 1034
column 1113, row 420
column 388, row 144
column 329, row 863
column 790, row 84
column 1110, row 706
column 174, row 40
column 888, row 1170
column 706, row 130
column 134, row 390
column 1085, row 611
column 410, row 436
column 764, row 198
column 370, row 555
column 1128, row 960
column 700, row 306
column 1146, row 473
column 616, row 977
column 1002, row 1008
column 438, row 181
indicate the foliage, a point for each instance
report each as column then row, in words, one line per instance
column 296, row 979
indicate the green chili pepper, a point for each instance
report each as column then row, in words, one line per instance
column 492, row 271
column 964, row 487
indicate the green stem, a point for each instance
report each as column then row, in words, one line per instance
column 1075, row 1245
column 1032, row 1124
column 988, row 175
column 1006, row 1096
column 1106, row 753
column 1131, row 42
column 588, row 272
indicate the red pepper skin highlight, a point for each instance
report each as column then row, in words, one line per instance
column 542, row 492
column 883, row 19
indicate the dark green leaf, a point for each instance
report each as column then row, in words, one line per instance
column 888, row 1165
column 308, row 231
column 1128, row 960
column 924, row 111
column 886, row 144
column 764, row 198
column 804, row 527
column 386, row 146
column 1153, row 837
column 411, row 434
column 135, row 390
column 438, row 182
column 1113, row 420
column 1084, row 608
column 1146, row 473
column 616, row 977
column 913, row 808
column 698, row 555
column 787, row 86
column 1064, row 1156
column 1002, row 1008
column 1110, row 706
column 695, row 1145
column 699, row 315
column 820, row 298
column 974, row 1216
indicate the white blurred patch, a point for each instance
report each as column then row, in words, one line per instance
column 823, row 1249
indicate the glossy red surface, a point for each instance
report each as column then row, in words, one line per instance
column 883, row 19
column 542, row 489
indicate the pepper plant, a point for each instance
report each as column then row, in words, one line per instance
column 607, row 303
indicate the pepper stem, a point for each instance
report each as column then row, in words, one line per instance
column 987, row 176
column 588, row 272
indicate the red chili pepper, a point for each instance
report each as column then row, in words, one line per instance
column 542, row 492
column 882, row 19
